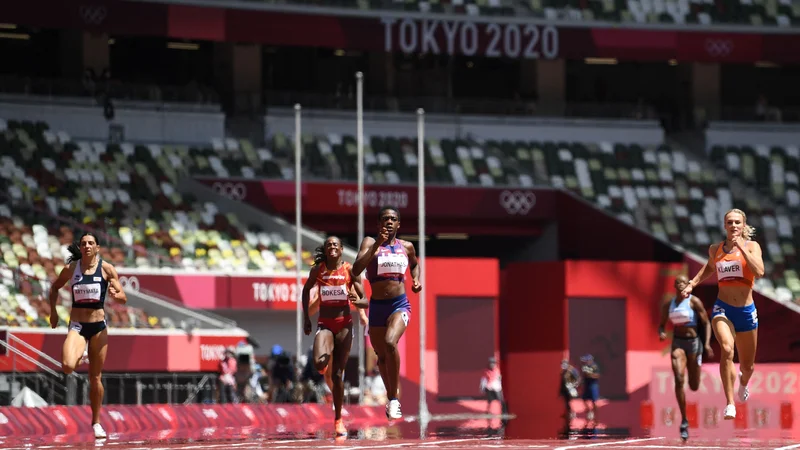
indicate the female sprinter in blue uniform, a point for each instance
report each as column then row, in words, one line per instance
column 386, row 260
column 738, row 262
column 687, row 350
column 90, row 278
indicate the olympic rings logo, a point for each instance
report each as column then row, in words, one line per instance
column 517, row 202
column 718, row 48
column 93, row 14
column 131, row 283
column 233, row 191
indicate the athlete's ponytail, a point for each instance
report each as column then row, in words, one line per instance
column 74, row 253
column 319, row 255
column 75, row 250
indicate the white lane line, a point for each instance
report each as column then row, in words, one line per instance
column 788, row 447
column 600, row 444
column 414, row 444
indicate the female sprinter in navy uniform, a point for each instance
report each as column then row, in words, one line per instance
column 338, row 289
column 737, row 261
column 687, row 350
column 386, row 260
column 90, row 278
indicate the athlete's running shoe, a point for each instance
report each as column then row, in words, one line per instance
column 99, row 432
column 339, row 428
column 685, row 429
column 393, row 410
column 730, row 412
column 744, row 391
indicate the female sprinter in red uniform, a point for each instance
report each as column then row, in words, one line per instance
column 686, row 316
column 338, row 288
column 90, row 278
column 386, row 259
column 734, row 318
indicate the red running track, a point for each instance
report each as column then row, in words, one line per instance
column 86, row 441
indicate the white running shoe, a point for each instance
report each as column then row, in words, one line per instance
column 393, row 410
column 744, row 391
column 730, row 412
column 99, row 432
column 84, row 358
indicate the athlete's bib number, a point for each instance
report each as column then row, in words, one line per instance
column 332, row 293
column 729, row 269
column 86, row 293
column 392, row 263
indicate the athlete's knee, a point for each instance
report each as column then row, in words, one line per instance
column 694, row 383
column 679, row 381
column 96, row 379
column 391, row 346
column 726, row 350
column 321, row 363
column 747, row 367
column 67, row 367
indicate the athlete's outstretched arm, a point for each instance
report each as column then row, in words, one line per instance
column 62, row 279
column 413, row 263
column 310, row 282
column 662, row 334
column 704, row 273
column 369, row 248
column 113, row 280
column 360, row 300
column 700, row 309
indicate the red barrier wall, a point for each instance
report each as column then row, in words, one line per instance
column 173, row 352
column 167, row 419
column 535, row 317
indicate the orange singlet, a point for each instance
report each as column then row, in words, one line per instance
column 732, row 267
column 333, row 288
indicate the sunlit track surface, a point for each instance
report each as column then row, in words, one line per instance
column 364, row 440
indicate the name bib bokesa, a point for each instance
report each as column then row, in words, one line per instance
column 333, row 293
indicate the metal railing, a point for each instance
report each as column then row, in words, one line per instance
column 51, row 385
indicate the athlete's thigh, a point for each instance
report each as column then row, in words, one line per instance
column 397, row 324
column 98, row 348
column 73, row 347
column 678, row 362
column 723, row 331
column 323, row 343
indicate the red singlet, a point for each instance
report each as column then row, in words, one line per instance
column 333, row 288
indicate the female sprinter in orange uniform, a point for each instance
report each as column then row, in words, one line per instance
column 90, row 278
column 386, row 260
column 734, row 318
column 338, row 288
column 686, row 316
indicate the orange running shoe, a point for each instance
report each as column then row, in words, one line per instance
column 340, row 428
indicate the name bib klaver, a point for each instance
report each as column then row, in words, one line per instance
column 333, row 293
column 392, row 263
column 729, row 269
column 86, row 292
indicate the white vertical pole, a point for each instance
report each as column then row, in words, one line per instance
column 423, row 401
column 360, row 341
column 298, row 142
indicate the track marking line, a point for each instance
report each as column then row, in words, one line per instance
column 680, row 446
column 599, row 444
column 415, row 444
column 788, row 447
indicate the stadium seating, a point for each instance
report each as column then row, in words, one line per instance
column 678, row 199
column 758, row 12
column 23, row 303
column 128, row 192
